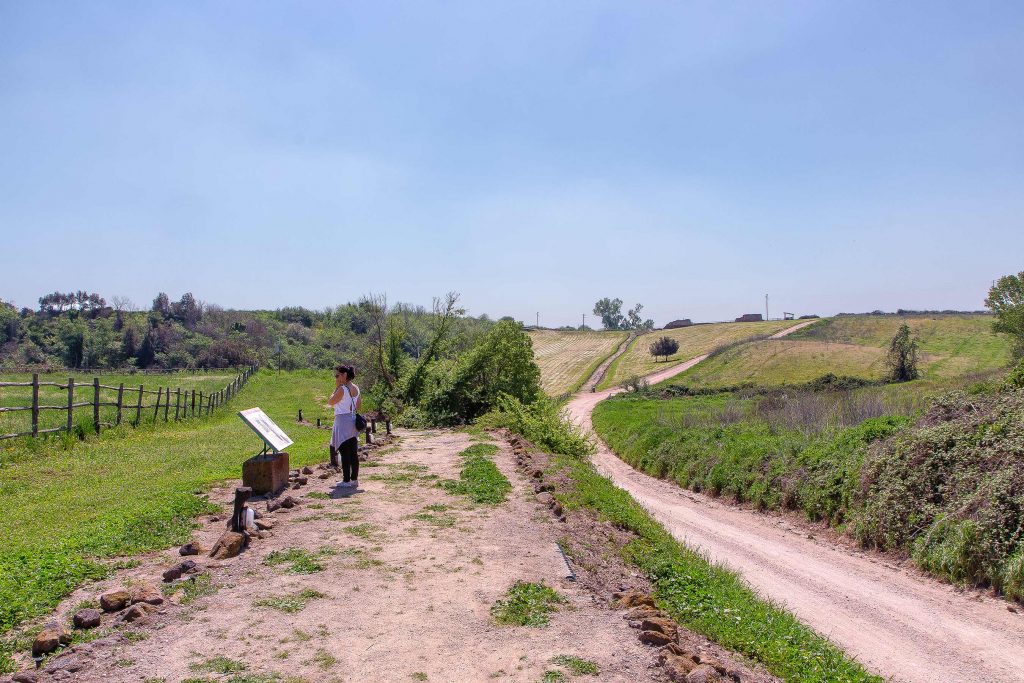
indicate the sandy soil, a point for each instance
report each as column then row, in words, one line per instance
column 898, row 623
column 403, row 598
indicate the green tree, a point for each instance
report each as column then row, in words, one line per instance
column 1006, row 300
column 501, row 363
column 902, row 358
column 665, row 346
column 610, row 311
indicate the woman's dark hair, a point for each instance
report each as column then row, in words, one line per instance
column 347, row 369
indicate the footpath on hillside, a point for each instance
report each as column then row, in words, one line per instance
column 406, row 578
column 897, row 622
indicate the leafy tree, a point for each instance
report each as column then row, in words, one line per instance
column 902, row 358
column 445, row 312
column 610, row 311
column 162, row 305
column 664, row 346
column 633, row 321
column 9, row 322
column 1006, row 300
column 465, row 388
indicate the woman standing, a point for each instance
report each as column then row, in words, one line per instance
column 346, row 400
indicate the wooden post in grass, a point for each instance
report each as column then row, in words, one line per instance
column 71, row 400
column 387, row 426
column 120, row 403
column 177, row 403
column 167, row 403
column 369, row 436
column 138, row 407
column 96, row 403
column 35, row 404
column 242, row 494
column 156, row 410
column 318, row 423
column 193, row 403
column 373, row 425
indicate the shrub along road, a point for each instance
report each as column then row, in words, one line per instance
column 898, row 623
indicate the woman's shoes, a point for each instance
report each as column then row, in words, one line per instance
column 350, row 484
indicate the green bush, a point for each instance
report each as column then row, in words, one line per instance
column 461, row 389
column 1016, row 377
column 541, row 422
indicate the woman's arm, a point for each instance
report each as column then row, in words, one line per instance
column 339, row 392
column 359, row 398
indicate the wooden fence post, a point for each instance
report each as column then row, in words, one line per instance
column 71, row 400
column 177, row 403
column 138, row 408
column 193, row 403
column 369, row 437
column 387, row 425
column 35, row 404
column 156, row 409
column 167, row 403
column 96, row 403
column 120, row 402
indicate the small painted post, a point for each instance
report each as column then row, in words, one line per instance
column 369, row 436
column 35, row 404
column 96, row 403
column 373, row 425
column 387, row 426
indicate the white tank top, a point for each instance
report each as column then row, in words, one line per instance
column 347, row 404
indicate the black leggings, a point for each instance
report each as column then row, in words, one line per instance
column 349, row 451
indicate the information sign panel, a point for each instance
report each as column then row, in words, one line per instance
column 271, row 434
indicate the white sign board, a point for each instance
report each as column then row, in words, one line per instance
column 265, row 427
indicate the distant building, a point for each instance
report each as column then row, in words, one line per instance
column 685, row 322
column 750, row 318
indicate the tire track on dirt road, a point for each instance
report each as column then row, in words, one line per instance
column 899, row 624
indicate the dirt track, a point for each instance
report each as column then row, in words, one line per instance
column 899, row 624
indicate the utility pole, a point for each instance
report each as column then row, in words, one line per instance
column 765, row 306
column 584, row 325
column 538, row 320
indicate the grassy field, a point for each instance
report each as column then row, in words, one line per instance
column 70, row 506
column 937, row 489
column 22, row 396
column 856, row 346
column 693, row 341
column 567, row 359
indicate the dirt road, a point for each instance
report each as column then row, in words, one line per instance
column 899, row 624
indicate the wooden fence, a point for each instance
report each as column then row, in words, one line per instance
column 186, row 403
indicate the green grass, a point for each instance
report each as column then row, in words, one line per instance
column 480, row 479
column 299, row 561
column 197, row 586
column 709, row 599
column 127, row 492
column 576, row 665
column 950, row 345
column 693, row 341
column 526, row 604
column 219, row 665
column 290, row 604
column 566, row 359
column 783, row 361
column 53, row 396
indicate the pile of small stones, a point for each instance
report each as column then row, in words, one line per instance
column 658, row 630
column 540, row 488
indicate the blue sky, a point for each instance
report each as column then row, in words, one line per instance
column 534, row 156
